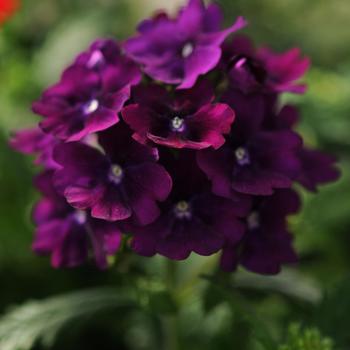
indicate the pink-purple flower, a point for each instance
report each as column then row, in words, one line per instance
column 179, row 50
column 185, row 119
column 86, row 99
column 252, row 70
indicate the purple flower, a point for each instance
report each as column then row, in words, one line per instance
column 104, row 54
column 316, row 167
column 253, row 161
column 177, row 51
column 192, row 219
column 122, row 182
column 267, row 244
column 87, row 99
column 253, row 70
column 35, row 141
column 67, row 234
column 187, row 120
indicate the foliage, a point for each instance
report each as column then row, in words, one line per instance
column 308, row 339
column 41, row 320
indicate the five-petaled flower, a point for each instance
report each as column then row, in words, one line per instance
column 179, row 50
column 188, row 119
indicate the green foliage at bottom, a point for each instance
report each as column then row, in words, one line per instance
column 306, row 339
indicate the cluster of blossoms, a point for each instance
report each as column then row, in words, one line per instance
column 176, row 140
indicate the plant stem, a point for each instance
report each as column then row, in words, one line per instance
column 171, row 339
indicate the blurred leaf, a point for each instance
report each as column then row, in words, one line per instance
column 41, row 320
column 308, row 339
column 241, row 307
column 289, row 283
column 333, row 315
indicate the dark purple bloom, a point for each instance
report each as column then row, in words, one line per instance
column 86, row 99
column 263, row 70
column 177, row 51
column 187, row 120
column 192, row 219
column 68, row 234
column 253, row 161
column 124, row 181
column 35, row 142
column 267, row 244
column 316, row 167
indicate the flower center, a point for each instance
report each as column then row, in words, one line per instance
column 242, row 156
column 187, row 50
column 116, row 174
column 90, row 107
column 178, row 124
column 96, row 59
column 80, row 217
column 183, row 210
column 253, row 220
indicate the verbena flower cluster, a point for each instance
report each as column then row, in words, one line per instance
column 175, row 140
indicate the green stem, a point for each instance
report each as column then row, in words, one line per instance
column 170, row 322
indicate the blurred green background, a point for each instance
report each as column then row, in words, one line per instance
column 34, row 47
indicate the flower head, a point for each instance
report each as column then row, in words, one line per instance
column 188, row 119
column 35, row 141
column 192, row 219
column 88, row 99
column 177, row 51
column 252, row 70
column 267, row 244
column 253, row 161
column 68, row 234
column 122, row 181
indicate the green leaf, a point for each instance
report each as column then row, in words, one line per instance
column 41, row 320
column 308, row 339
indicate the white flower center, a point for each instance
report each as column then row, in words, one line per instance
column 116, row 174
column 80, row 216
column 187, row 50
column 183, row 210
column 253, row 220
column 178, row 124
column 242, row 156
column 91, row 106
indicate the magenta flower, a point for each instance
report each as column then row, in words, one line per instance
column 86, row 100
column 253, row 70
column 35, row 142
column 267, row 244
column 67, row 234
column 125, row 181
column 105, row 54
column 177, row 51
column 192, row 219
column 188, row 120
